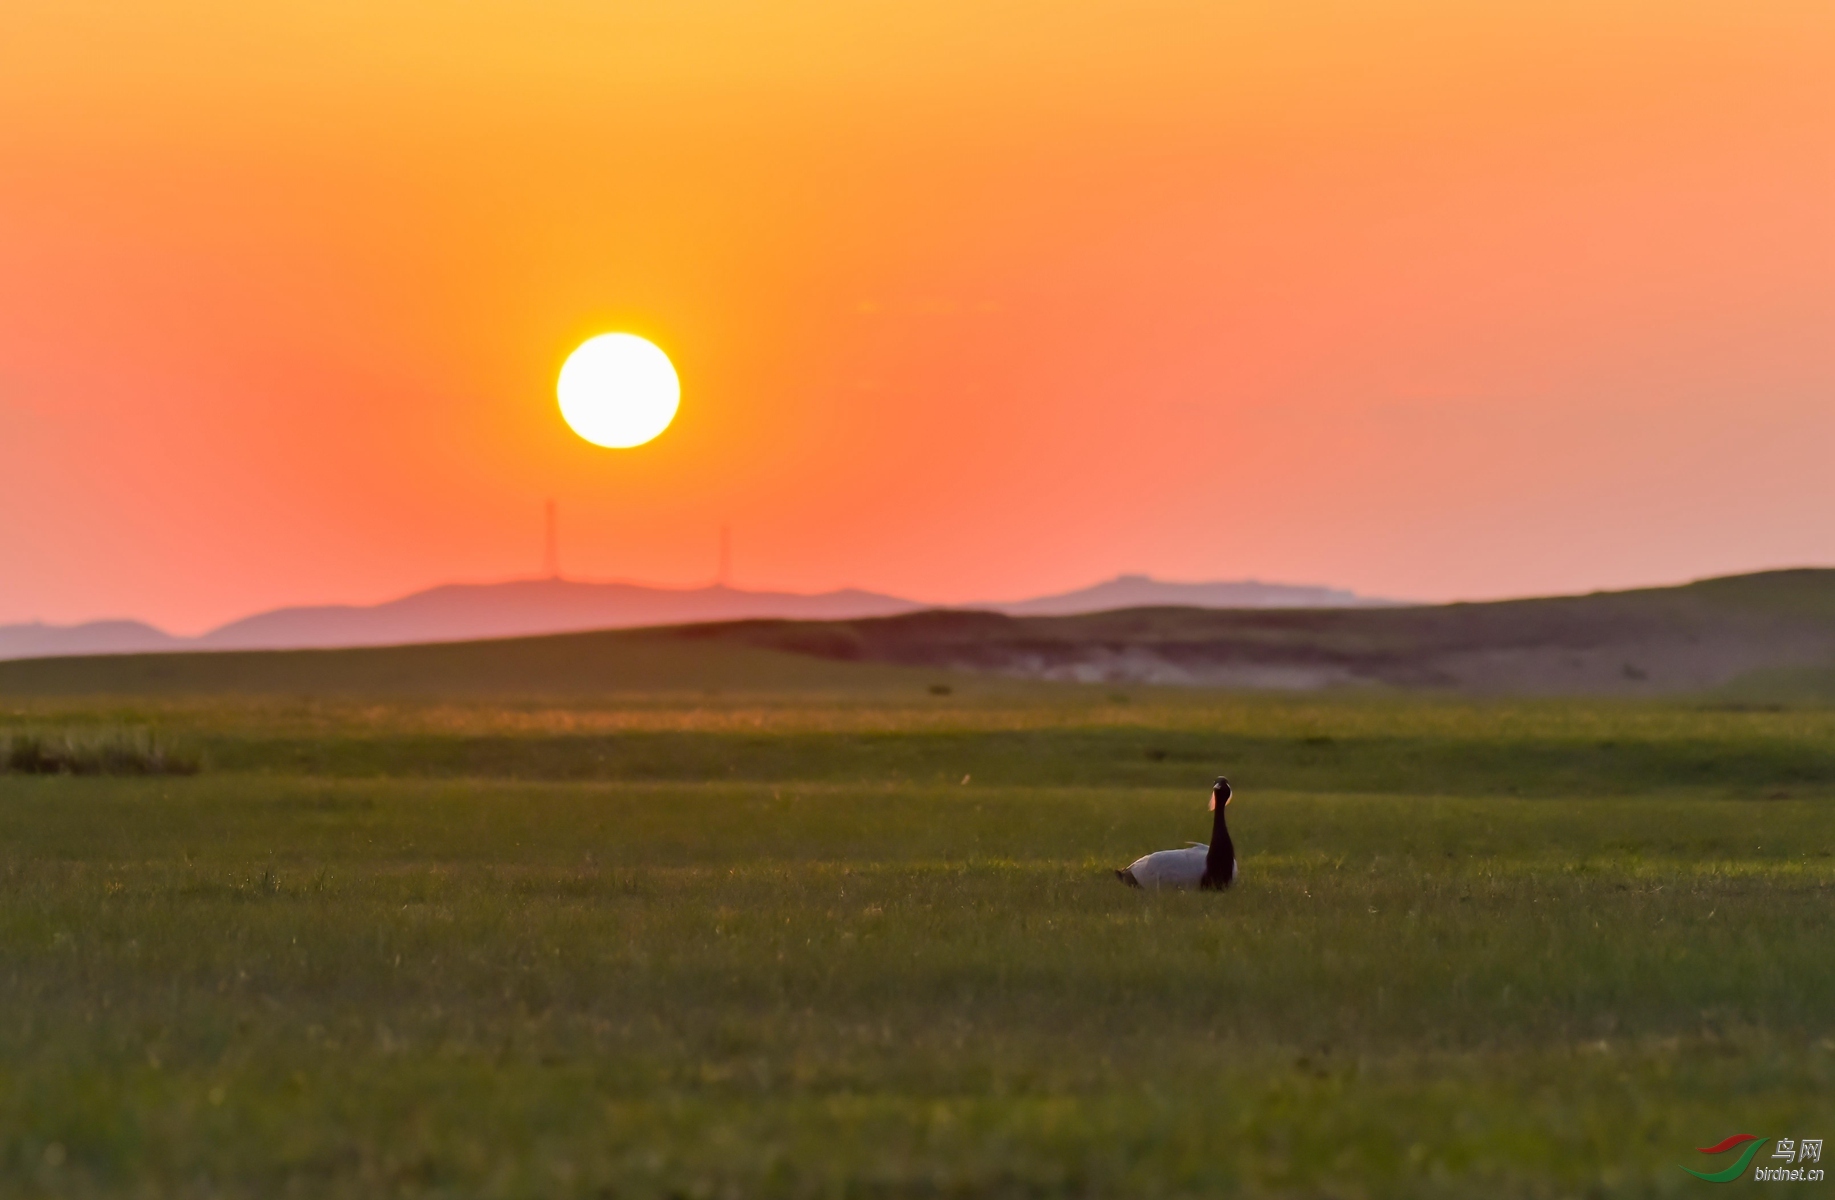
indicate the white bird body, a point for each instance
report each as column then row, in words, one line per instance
column 1198, row 866
column 1179, row 869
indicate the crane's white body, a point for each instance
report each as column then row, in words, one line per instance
column 1191, row 867
column 1172, row 868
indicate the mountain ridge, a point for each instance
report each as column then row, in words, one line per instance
column 534, row 607
column 1738, row 641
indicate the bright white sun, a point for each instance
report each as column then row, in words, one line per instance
column 618, row 390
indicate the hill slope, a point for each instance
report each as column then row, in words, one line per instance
column 1761, row 636
column 35, row 639
column 529, row 607
column 1658, row 640
column 533, row 607
column 578, row 664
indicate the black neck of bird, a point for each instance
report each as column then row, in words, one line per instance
column 1222, row 853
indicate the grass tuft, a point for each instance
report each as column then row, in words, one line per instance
column 93, row 752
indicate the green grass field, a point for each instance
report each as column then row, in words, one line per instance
column 737, row 926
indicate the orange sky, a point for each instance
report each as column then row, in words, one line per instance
column 969, row 299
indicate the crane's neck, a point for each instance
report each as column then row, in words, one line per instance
column 1220, row 861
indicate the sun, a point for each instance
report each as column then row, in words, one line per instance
column 618, row 390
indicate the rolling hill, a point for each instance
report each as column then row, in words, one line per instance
column 1777, row 626
column 1761, row 636
column 35, row 639
column 464, row 612
column 529, row 607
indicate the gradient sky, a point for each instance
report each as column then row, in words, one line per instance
column 969, row 299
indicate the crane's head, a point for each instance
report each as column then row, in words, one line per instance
column 1220, row 791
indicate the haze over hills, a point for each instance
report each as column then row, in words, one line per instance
column 1771, row 634
column 1143, row 591
column 34, row 639
column 466, row 612
column 457, row 612
column 1766, row 638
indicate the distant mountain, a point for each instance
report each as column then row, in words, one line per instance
column 1763, row 639
column 1142, row 591
column 37, row 640
column 522, row 608
column 456, row 612
column 467, row 611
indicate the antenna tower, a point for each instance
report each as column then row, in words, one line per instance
column 725, row 576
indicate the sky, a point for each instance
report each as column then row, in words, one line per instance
column 969, row 299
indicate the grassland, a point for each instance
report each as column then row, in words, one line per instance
column 735, row 924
